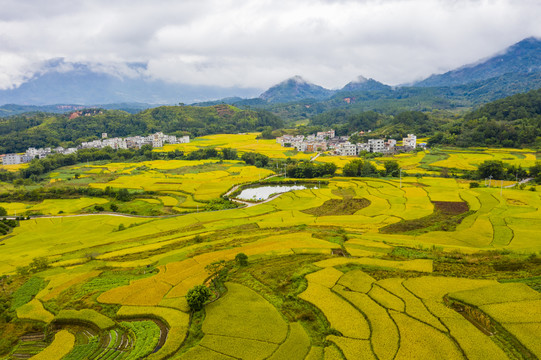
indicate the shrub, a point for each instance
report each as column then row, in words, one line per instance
column 197, row 296
column 474, row 185
column 242, row 259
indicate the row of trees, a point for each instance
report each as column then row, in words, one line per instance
column 498, row 170
column 364, row 168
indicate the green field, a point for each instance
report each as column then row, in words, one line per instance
column 358, row 268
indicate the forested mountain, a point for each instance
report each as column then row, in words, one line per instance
column 363, row 84
column 514, row 121
column 293, row 89
column 17, row 133
column 522, row 58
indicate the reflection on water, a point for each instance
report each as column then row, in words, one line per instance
column 264, row 192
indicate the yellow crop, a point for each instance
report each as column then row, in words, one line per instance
column 62, row 344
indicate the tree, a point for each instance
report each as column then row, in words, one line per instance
column 229, row 154
column 493, row 169
column 39, row 263
column 197, row 297
column 123, row 195
column 242, row 259
column 391, row 168
column 3, row 211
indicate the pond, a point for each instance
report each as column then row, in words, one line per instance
column 264, row 192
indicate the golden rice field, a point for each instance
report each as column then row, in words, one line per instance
column 391, row 280
column 242, row 142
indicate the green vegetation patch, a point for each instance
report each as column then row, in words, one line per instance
column 27, row 292
column 147, row 335
column 447, row 216
column 338, row 207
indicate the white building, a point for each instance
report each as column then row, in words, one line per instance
column 363, row 147
column 14, row 159
column 376, row 145
column 347, row 149
column 410, row 141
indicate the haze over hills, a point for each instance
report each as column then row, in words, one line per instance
column 522, row 58
column 516, row 69
column 84, row 85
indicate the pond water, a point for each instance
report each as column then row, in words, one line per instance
column 264, row 192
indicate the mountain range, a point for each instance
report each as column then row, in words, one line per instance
column 515, row 69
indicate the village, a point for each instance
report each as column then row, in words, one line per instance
column 134, row 142
column 341, row 145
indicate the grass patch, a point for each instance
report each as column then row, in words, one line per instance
column 346, row 206
column 447, row 216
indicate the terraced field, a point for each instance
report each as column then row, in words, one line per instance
column 358, row 268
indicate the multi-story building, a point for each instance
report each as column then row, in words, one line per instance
column 347, row 149
column 376, row 145
column 14, row 159
column 410, row 141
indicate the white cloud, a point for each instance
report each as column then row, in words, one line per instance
column 260, row 42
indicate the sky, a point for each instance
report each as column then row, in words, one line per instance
column 261, row 42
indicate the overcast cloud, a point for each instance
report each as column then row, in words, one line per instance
column 261, row 42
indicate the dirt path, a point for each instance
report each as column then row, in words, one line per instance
column 524, row 181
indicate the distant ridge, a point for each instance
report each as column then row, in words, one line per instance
column 82, row 84
column 293, row 89
column 364, row 84
column 521, row 58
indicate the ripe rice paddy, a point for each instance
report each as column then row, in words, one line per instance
column 324, row 281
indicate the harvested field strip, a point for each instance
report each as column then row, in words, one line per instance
column 340, row 314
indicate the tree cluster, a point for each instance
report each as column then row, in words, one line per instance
column 20, row 132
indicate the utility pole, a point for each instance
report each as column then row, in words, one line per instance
column 489, row 180
column 400, row 178
column 501, row 187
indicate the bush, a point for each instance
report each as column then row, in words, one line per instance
column 474, row 185
column 242, row 259
column 197, row 296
